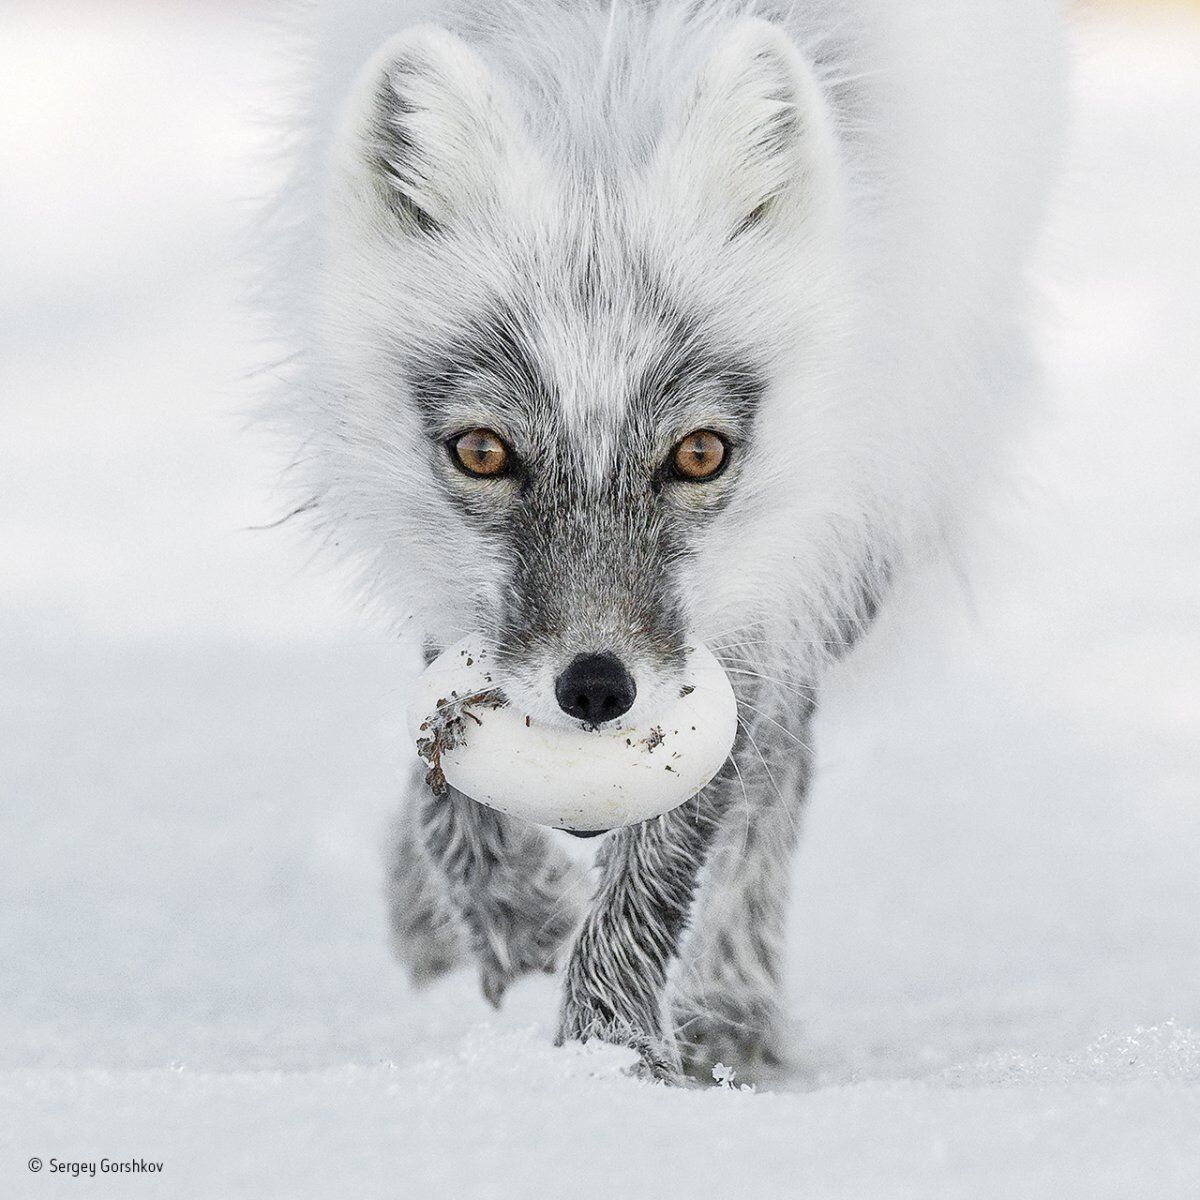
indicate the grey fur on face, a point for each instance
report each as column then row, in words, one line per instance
column 589, row 529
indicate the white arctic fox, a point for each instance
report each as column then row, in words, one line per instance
column 629, row 323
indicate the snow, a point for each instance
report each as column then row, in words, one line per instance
column 996, row 965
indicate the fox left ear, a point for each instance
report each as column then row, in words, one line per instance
column 431, row 136
column 754, row 143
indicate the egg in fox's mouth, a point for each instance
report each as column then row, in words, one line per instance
column 586, row 777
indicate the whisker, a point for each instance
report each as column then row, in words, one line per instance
column 774, row 785
column 777, row 642
column 782, row 728
column 799, row 689
column 745, row 794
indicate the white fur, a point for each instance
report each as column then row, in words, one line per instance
column 885, row 285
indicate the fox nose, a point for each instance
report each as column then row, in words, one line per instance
column 595, row 688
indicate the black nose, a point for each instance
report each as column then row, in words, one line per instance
column 595, row 688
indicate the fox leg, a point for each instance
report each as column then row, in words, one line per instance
column 616, row 978
column 728, row 993
column 513, row 894
column 427, row 934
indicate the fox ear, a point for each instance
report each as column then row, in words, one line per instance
column 754, row 142
column 432, row 134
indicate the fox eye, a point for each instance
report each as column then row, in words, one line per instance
column 700, row 456
column 481, row 452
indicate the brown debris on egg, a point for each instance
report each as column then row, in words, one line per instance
column 654, row 739
column 446, row 729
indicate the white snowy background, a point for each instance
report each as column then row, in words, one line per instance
column 996, row 939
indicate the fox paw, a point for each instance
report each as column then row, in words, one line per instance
column 585, row 1017
column 656, row 1062
column 752, row 1041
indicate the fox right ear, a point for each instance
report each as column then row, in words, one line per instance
column 753, row 143
column 431, row 134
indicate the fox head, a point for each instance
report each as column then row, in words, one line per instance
column 576, row 351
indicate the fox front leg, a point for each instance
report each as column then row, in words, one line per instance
column 517, row 895
column 616, row 979
column 728, row 998
column 427, row 933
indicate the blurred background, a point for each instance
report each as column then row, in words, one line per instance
column 199, row 738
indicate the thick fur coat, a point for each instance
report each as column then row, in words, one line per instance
column 594, row 226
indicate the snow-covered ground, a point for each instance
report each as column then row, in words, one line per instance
column 996, row 967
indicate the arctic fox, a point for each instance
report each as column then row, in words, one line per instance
column 627, row 324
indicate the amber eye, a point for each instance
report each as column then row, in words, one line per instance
column 700, row 456
column 480, row 452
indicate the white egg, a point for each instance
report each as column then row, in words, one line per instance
column 569, row 778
